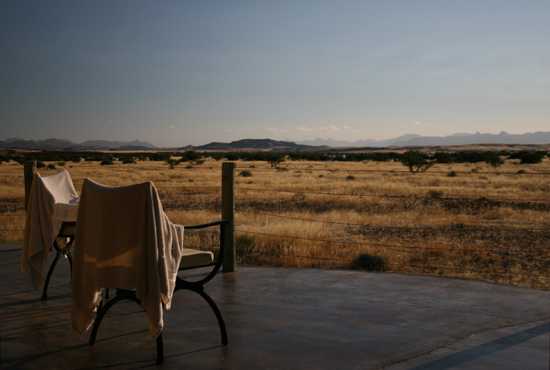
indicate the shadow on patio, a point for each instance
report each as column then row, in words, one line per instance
column 288, row 319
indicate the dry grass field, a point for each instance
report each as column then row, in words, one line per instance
column 478, row 222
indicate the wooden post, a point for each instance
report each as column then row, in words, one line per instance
column 29, row 168
column 228, row 214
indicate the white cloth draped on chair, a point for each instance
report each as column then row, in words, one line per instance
column 124, row 240
column 52, row 200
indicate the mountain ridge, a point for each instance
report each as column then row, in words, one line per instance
column 409, row 140
column 257, row 144
column 63, row 144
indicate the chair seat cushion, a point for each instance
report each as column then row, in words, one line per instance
column 194, row 258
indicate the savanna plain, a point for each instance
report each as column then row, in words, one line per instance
column 458, row 220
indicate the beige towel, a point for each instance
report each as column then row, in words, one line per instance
column 53, row 199
column 124, row 240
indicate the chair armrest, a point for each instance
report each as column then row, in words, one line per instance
column 223, row 224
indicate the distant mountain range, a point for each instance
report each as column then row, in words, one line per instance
column 531, row 138
column 409, row 140
column 60, row 144
column 256, row 144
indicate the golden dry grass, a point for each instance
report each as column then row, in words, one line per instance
column 484, row 223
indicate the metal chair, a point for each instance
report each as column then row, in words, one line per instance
column 181, row 284
column 67, row 233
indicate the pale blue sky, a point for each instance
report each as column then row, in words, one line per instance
column 189, row 72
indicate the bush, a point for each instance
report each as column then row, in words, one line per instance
column 416, row 161
column 172, row 162
column 370, row 262
column 162, row 156
column 190, row 156
column 276, row 160
column 493, row 159
column 451, row 174
column 435, row 194
column 245, row 173
column 107, row 162
column 128, row 160
column 529, row 157
column 350, row 177
column 245, row 245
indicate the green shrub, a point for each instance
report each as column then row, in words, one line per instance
column 160, row 156
column 451, row 174
column 416, row 161
column 493, row 159
column 276, row 160
column 172, row 162
column 190, row 156
column 245, row 245
column 128, row 160
column 350, row 177
column 107, row 162
column 529, row 157
column 245, row 173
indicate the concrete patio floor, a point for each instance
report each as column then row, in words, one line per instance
column 288, row 319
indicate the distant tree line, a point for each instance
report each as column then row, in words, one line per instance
column 416, row 161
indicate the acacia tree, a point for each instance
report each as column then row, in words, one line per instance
column 416, row 161
column 172, row 162
column 276, row 159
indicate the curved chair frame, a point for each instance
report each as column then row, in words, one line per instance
column 181, row 284
column 67, row 232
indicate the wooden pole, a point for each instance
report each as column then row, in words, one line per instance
column 29, row 168
column 228, row 215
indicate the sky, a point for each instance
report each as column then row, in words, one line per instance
column 190, row 72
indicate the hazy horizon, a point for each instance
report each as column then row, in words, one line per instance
column 178, row 73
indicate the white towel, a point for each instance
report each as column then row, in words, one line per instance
column 124, row 240
column 52, row 200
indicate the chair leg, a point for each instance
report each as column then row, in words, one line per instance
column 160, row 350
column 48, row 277
column 219, row 317
column 99, row 317
column 70, row 259
column 102, row 310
